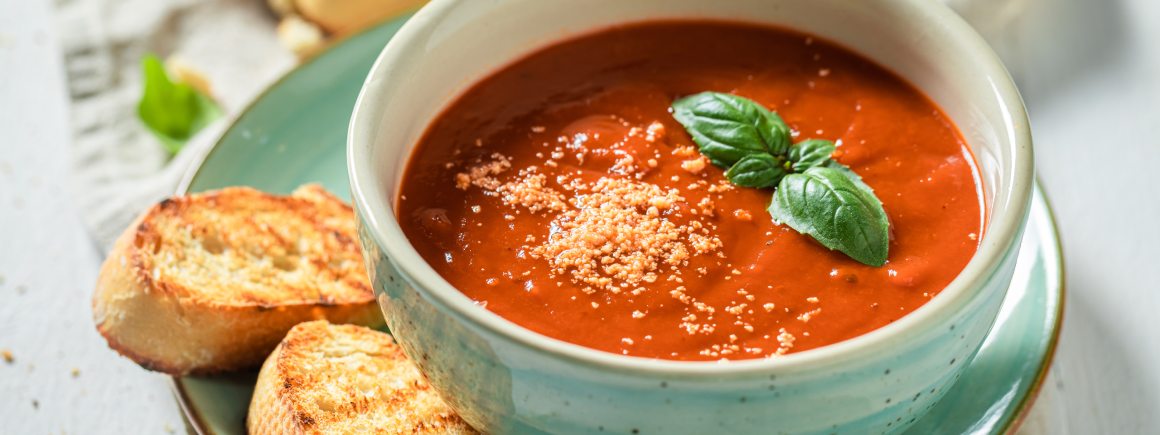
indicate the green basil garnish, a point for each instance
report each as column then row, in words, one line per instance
column 814, row 195
column 810, row 153
column 853, row 176
column 757, row 171
column 829, row 206
column 728, row 128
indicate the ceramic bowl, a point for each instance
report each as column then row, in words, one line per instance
column 503, row 378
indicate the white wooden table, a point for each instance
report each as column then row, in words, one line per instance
column 1095, row 104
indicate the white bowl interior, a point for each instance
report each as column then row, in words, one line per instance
column 455, row 43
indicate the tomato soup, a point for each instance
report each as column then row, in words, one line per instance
column 561, row 194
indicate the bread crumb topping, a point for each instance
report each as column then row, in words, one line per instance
column 785, row 339
column 531, row 192
column 694, row 165
column 483, row 174
column 613, row 235
column 619, row 235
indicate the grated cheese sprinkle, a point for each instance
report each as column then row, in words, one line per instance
column 615, row 236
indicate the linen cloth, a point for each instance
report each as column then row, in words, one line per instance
column 120, row 169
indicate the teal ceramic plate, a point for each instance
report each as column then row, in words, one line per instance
column 295, row 133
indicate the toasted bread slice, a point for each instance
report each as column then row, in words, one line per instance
column 345, row 379
column 211, row 282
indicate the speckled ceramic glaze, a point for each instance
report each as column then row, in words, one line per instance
column 505, row 379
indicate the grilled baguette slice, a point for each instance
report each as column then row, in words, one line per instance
column 345, row 379
column 211, row 282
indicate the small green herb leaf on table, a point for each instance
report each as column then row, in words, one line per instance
column 172, row 111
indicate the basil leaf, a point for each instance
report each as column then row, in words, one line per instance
column 727, row 127
column 837, row 211
column 173, row 112
column 777, row 136
column 810, row 153
column 757, row 171
column 854, row 177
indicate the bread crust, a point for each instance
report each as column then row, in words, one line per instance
column 345, row 379
column 167, row 325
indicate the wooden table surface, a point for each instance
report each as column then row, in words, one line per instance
column 1094, row 99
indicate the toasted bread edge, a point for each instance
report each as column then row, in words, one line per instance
column 162, row 331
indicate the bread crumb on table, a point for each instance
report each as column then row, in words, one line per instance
column 7, row 355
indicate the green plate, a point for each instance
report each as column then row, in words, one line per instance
column 295, row 133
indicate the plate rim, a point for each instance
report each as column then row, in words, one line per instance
column 1028, row 400
column 196, row 421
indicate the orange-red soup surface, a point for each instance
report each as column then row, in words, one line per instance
column 561, row 194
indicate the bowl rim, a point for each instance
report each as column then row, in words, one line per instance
column 1007, row 221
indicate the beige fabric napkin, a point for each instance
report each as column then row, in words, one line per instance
column 119, row 167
